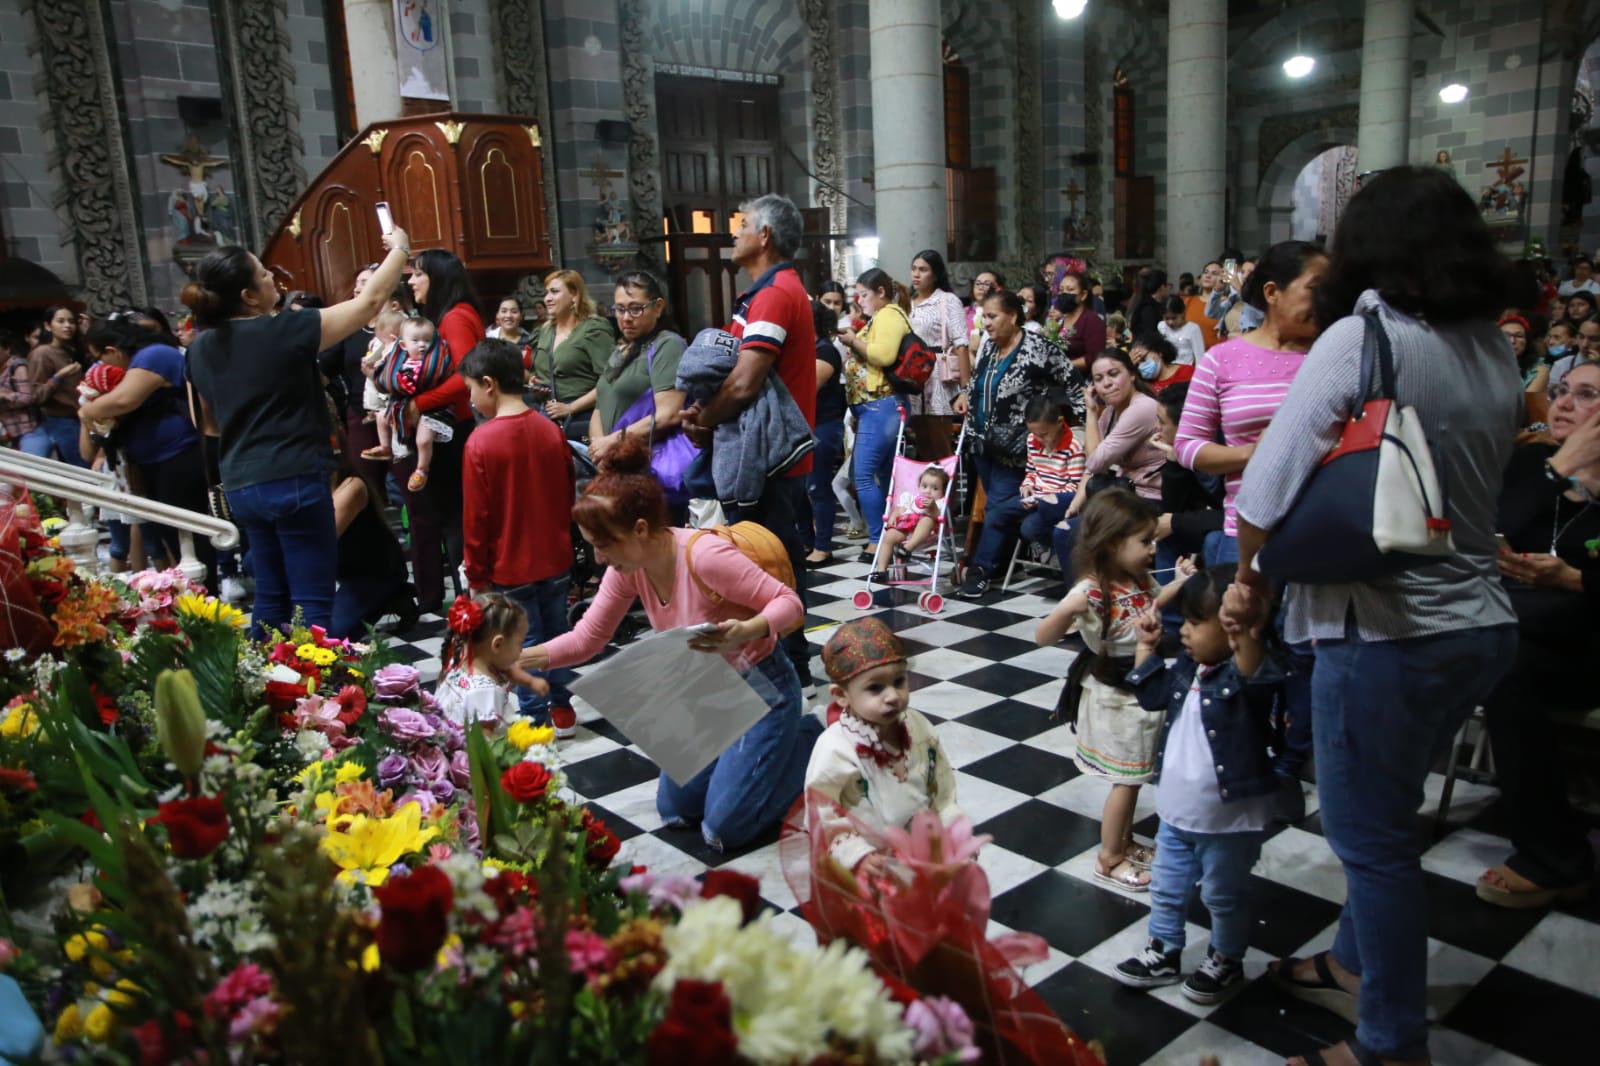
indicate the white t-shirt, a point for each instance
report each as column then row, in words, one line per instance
column 468, row 698
column 1188, row 340
column 1569, row 287
column 1188, row 796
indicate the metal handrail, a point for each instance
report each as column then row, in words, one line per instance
column 223, row 535
column 56, row 466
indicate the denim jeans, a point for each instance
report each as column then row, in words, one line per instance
column 750, row 787
column 877, row 424
column 1291, row 745
column 36, row 442
column 1037, row 523
column 1227, row 550
column 361, row 601
column 546, row 605
column 1002, row 513
column 783, row 509
column 1383, row 711
column 294, row 548
column 818, row 534
column 63, row 433
column 1221, row 863
column 1062, row 539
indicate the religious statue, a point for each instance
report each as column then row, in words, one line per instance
column 202, row 212
column 1502, row 200
column 614, row 243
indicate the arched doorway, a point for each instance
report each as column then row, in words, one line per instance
column 1275, row 195
column 1321, row 190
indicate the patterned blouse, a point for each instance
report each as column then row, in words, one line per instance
column 1001, row 388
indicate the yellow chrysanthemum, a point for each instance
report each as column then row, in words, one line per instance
column 348, row 771
column 53, row 524
column 79, row 945
column 209, row 609
column 367, row 847
column 19, row 721
column 370, row 959
column 353, row 672
column 316, row 656
column 523, row 734
column 122, row 995
column 98, row 1025
column 69, row 1024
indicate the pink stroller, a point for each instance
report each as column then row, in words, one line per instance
column 903, row 479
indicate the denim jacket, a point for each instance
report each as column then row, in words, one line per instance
column 1236, row 713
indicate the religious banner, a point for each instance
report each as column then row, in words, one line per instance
column 419, row 46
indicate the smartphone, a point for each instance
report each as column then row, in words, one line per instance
column 1503, row 544
column 385, row 217
column 704, row 627
column 1230, row 268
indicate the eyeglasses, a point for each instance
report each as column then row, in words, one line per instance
column 633, row 310
column 1583, row 395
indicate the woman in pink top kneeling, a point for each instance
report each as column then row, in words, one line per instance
column 623, row 514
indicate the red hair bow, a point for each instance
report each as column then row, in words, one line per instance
column 465, row 616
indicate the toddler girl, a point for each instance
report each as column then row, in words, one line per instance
column 915, row 516
column 1055, row 466
column 880, row 760
column 97, row 381
column 385, row 342
column 1116, row 739
column 480, row 657
column 1214, row 786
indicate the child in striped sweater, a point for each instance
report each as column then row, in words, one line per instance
column 1055, row 466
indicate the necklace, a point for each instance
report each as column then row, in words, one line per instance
column 1557, row 528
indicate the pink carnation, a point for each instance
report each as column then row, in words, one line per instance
column 942, row 1028
column 231, row 994
column 587, row 953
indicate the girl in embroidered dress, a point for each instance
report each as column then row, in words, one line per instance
column 880, row 760
column 480, row 656
column 1116, row 739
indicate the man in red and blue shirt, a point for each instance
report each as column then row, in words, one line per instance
column 773, row 322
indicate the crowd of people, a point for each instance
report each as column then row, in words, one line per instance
column 1149, row 435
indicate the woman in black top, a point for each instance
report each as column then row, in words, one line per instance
column 1551, row 567
column 1144, row 314
column 829, row 434
column 255, row 375
column 372, row 566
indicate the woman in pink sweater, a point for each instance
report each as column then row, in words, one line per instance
column 623, row 514
column 1240, row 384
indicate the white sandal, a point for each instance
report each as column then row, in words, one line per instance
column 1124, row 875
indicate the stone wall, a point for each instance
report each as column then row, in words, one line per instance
column 1062, row 110
column 313, row 82
column 472, row 48
column 33, row 228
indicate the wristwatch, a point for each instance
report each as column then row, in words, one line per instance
column 1558, row 479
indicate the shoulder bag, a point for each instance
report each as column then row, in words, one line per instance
column 1376, row 506
column 670, row 452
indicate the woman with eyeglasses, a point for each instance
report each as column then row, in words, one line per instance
column 572, row 350
column 1550, row 564
column 644, row 362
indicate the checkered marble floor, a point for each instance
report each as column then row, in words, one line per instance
column 1505, row 987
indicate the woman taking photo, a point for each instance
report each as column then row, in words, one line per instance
column 939, row 319
column 571, row 352
column 872, row 400
column 623, row 515
column 1014, row 365
column 255, row 375
column 1401, row 660
column 1553, row 579
column 444, row 293
column 1078, row 330
column 55, row 367
column 1239, row 384
column 343, row 362
column 645, row 362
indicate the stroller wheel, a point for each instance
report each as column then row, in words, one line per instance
column 931, row 602
column 862, row 600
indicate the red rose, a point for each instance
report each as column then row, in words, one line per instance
column 698, row 1027
column 416, row 917
column 352, row 704
column 525, row 782
column 195, row 827
column 154, row 1050
column 283, row 695
column 602, row 843
column 18, row 780
column 742, row 887
column 507, row 889
column 163, row 624
column 106, row 706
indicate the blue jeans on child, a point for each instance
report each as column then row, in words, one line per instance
column 750, row 787
column 1221, row 863
column 546, row 605
column 294, row 548
column 1038, row 522
column 877, row 424
column 1383, row 710
column 819, row 486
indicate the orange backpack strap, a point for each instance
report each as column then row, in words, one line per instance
column 688, row 558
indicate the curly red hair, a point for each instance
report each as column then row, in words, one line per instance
column 624, row 492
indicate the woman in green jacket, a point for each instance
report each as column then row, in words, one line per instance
column 571, row 352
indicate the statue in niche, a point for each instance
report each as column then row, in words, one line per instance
column 202, row 213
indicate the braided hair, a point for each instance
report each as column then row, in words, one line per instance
column 481, row 617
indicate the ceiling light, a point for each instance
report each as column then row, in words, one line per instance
column 1453, row 93
column 1069, row 9
column 1299, row 66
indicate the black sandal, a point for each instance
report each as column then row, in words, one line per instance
column 1324, row 992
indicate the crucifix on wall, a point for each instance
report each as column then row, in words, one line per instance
column 201, row 212
column 1503, row 198
column 611, row 228
column 1073, row 227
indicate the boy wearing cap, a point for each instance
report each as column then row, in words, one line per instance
column 880, row 760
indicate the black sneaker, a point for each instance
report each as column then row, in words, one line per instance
column 1289, row 802
column 1152, row 967
column 1217, row 974
column 974, row 585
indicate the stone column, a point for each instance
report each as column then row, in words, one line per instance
column 374, row 64
column 1197, row 144
column 907, row 130
column 1246, row 187
column 1384, row 137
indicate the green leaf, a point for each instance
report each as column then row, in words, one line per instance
column 61, row 827
column 493, row 806
column 214, row 660
column 402, row 1019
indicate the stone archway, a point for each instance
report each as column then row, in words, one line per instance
column 1274, row 194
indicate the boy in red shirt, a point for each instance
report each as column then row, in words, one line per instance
column 517, row 489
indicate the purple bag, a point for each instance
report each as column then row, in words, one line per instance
column 671, row 453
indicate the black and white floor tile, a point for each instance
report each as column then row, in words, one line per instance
column 1504, row 987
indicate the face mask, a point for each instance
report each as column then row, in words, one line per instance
column 1148, row 369
column 1557, row 350
column 1067, row 302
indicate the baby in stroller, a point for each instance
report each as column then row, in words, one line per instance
column 915, row 516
